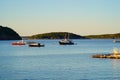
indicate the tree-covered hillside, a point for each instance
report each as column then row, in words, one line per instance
column 56, row 35
column 8, row 34
column 104, row 36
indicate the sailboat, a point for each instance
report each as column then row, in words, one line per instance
column 66, row 41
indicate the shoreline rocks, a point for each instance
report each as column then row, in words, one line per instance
column 110, row 56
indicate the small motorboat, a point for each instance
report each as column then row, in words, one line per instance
column 18, row 43
column 36, row 45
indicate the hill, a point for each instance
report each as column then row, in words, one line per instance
column 104, row 36
column 56, row 35
column 8, row 34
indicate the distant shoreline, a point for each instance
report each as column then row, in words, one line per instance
column 60, row 35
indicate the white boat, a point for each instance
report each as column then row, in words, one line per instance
column 66, row 41
column 116, row 40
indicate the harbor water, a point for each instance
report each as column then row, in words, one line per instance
column 59, row 62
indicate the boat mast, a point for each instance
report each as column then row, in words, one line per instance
column 68, row 36
column 65, row 37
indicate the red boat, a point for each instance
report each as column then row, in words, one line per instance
column 18, row 43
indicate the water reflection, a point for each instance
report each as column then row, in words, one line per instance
column 116, row 68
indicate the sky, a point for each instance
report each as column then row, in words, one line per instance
column 83, row 17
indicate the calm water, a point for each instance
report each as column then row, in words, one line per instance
column 56, row 62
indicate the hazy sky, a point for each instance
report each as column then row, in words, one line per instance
column 84, row 17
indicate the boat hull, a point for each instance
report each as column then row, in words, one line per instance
column 62, row 43
column 36, row 45
column 15, row 43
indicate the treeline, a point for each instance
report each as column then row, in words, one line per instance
column 7, row 33
column 57, row 35
column 104, row 36
column 61, row 35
